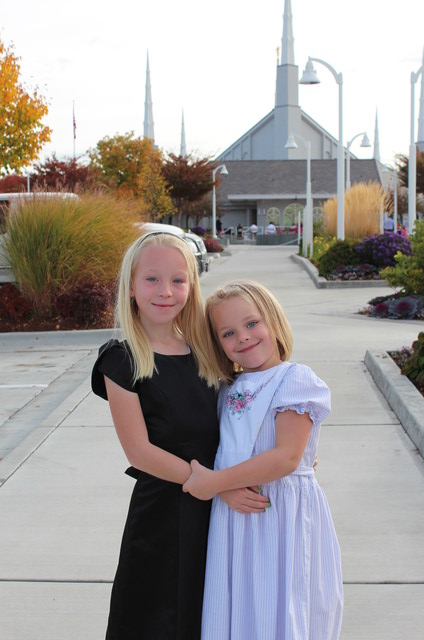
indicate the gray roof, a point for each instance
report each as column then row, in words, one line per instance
column 270, row 179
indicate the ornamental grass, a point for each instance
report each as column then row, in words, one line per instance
column 53, row 244
column 364, row 204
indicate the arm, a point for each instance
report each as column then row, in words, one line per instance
column 132, row 433
column 291, row 436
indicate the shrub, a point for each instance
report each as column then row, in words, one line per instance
column 408, row 272
column 212, row 245
column 401, row 356
column 414, row 365
column 380, row 249
column 322, row 244
column 397, row 306
column 54, row 244
column 355, row 272
column 363, row 204
column 13, row 305
column 200, row 231
column 84, row 302
column 341, row 253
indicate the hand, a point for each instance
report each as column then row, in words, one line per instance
column 200, row 482
column 247, row 500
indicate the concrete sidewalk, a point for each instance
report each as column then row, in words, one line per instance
column 64, row 496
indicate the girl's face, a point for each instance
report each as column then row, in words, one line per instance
column 160, row 285
column 244, row 336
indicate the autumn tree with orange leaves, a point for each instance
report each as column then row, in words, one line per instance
column 131, row 167
column 22, row 133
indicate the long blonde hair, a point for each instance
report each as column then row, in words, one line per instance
column 269, row 308
column 189, row 323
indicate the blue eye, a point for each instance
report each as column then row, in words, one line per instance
column 251, row 324
column 179, row 281
column 228, row 334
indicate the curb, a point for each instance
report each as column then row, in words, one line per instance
column 37, row 339
column 323, row 283
column 404, row 399
column 35, row 438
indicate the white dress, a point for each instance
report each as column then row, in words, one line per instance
column 273, row 575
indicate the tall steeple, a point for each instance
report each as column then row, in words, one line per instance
column 148, row 106
column 287, row 114
column 420, row 138
column 287, row 42
column 183, row 151
column 376, row 139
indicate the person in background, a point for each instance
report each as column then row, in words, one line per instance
column 389, row 224
column 270, row 230
column 253, row 230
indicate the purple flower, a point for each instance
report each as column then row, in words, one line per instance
column 381, row 309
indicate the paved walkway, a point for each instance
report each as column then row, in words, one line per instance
column 64, row 496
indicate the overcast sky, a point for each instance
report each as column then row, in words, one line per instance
column 217, row 61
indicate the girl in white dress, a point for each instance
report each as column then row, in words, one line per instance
column 274, row 575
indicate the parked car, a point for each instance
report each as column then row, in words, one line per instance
column 9, row 201
column 195, row 242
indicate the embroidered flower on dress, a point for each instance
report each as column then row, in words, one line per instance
column 239, row 402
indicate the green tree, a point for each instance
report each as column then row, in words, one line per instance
column 22, row 134
column 132, row 167
column 189, row 181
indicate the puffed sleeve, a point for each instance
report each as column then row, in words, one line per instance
column 114, row 362
column 302, row 391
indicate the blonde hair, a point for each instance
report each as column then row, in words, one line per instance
column 189, row 323
column 270, row 310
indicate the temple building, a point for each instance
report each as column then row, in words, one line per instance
column 266, row 180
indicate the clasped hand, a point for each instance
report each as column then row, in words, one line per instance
column 200, row 484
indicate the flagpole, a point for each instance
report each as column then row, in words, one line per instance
column 74, row 124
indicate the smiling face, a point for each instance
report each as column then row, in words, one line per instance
column 244, row 335
column 160, row 285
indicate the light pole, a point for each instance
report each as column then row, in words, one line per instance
column 412, row 164
column 308, row 222
column 389, row 167
column 309, row 76
column 364, row 143
column 223, row 171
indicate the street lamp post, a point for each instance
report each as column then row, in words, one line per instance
column 309, row 76
column 412, row 164
column 364, row 143
column 223, row 171
column 308, row 222
column 389, row 167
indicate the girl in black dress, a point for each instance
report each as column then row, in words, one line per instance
column 161, row 386
column 162, row 395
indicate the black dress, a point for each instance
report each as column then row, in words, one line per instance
column 158, row 588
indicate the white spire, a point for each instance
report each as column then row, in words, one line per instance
column 376, row 139
column 420, row 139
column 287, row 42
column 148, row 106
column 183, row 151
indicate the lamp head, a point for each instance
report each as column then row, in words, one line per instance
column 309, row 75
column 365, row 141
column 223, row 170
column 291, row 143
